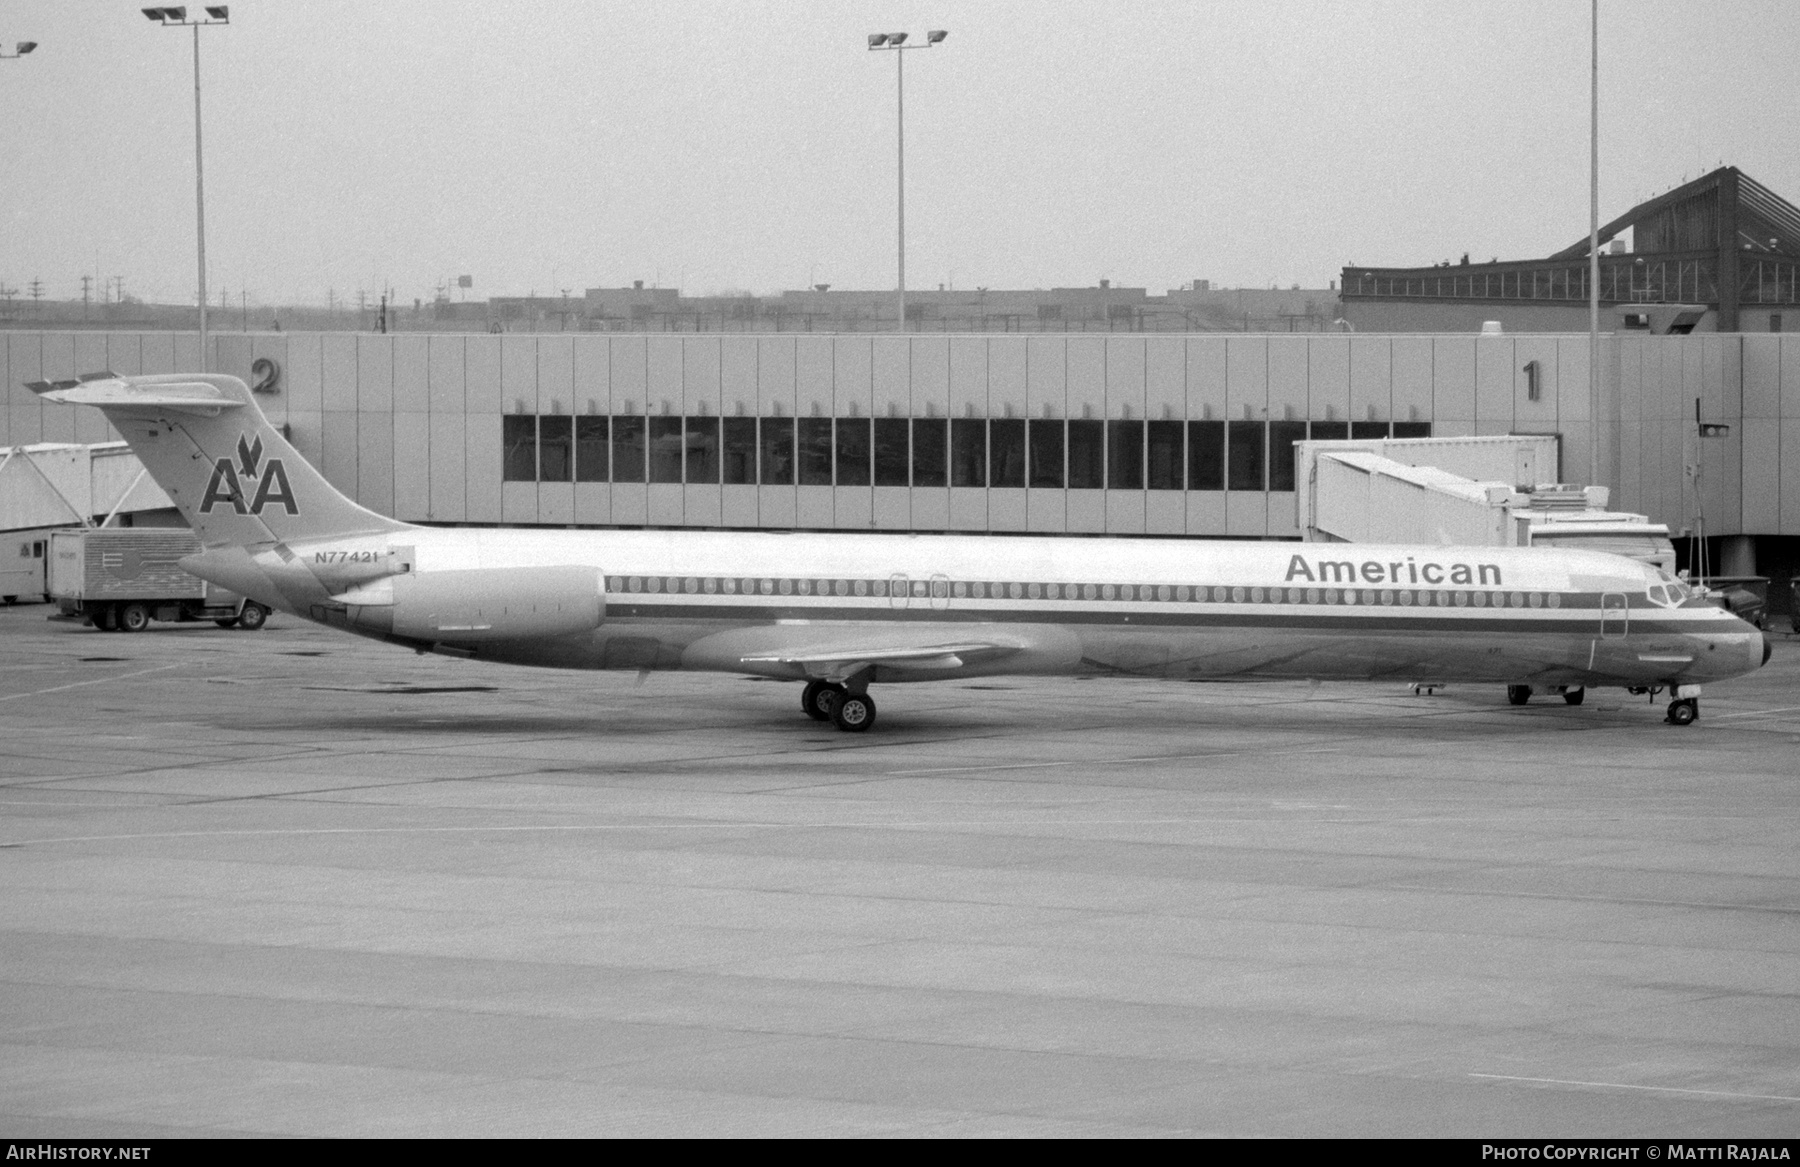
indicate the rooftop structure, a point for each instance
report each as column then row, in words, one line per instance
column 1724, row 241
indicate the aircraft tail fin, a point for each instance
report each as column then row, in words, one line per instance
column 233, row 475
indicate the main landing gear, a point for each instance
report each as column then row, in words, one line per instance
column 1571, row 694
column 850, row 711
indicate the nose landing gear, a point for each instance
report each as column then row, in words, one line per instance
column 1684, row 711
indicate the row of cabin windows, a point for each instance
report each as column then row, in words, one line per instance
column 921, row 451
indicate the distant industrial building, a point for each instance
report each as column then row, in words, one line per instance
column 1195, row 307
column 1723, row 243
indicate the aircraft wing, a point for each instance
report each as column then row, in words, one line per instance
column 836, row 661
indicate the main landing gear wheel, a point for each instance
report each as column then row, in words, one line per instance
column 1684, row 711
column 1574, row 696
column 133, row 618
column 253, row 616
column 855, row 712
column 820, row 700
column 1518, row 694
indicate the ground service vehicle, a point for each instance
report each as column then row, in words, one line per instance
column 121, row 578
column 22, row 570
column 841, row 612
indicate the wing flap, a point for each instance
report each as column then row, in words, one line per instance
column 836, row 660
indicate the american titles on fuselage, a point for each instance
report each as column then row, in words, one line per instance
column 1398, row 571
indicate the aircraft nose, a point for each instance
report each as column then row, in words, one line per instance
column 1768, row 650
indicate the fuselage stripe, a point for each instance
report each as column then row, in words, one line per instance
column 902, row 591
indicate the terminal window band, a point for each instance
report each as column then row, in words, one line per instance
column 966, row 452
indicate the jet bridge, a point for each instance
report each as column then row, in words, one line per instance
column 1485, row 492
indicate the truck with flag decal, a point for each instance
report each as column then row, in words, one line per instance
column 119, row 579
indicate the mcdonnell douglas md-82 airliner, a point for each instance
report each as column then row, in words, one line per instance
column 843, row 611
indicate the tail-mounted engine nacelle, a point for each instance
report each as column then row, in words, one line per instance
column 481, row 605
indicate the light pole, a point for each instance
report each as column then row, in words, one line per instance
column 19, row 50
column 178, row 18
column 1594, row 396
column 896, row 43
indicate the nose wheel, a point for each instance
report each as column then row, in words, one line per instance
column 1684, row 711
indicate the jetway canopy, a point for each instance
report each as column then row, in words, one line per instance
column 52, row 484
column 1431, row 490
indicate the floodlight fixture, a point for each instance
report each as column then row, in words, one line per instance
column 25, row 47
column 177, row 17
column 896, row 42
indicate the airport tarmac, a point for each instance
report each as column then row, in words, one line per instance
column 295, row 883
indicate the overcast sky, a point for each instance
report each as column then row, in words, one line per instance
column 541, row 144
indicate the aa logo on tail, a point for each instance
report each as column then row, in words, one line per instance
column 227, row 482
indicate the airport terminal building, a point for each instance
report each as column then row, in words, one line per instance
column 1129, row 434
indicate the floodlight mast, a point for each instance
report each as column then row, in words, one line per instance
column 216, row 14
column 896, row 42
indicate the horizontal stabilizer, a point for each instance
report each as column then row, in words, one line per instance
column 165, row 391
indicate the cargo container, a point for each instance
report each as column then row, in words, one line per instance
column 120, row 578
